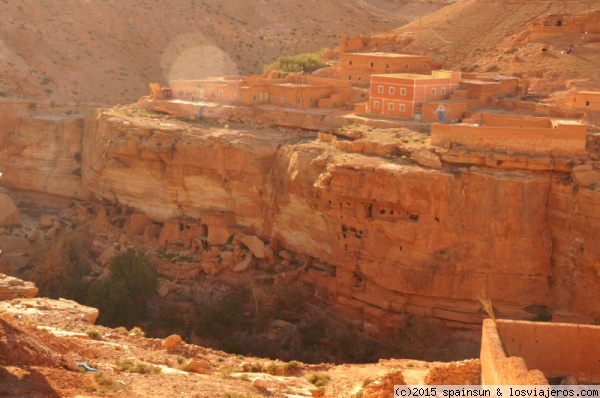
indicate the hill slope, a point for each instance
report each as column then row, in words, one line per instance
column 107, row 51
column 493, row 36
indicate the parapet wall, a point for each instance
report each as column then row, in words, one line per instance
column 497, row 367
column 492, row 120
column 564, row 139
column 556, row 349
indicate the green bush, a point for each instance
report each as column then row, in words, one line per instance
column 218, row 317
column 133, row 268
column 318, row 379
column 121, row 299
column 137, row 367
column 307, row 62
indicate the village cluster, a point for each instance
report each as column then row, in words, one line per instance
column 406, row 87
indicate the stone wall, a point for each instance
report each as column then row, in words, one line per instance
column 565, row 139
column 499, row 368
column 466, row 372
column 556, row 349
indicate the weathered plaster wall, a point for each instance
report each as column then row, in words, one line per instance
column 499, row 368
column 556, row 349
column 563, row 139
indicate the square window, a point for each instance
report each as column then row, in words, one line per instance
column 402, row 108
column 220, row 93
column 443, row 91
column 254, row 97
column 359, row 78
column 587, row 103
column 298, row 100
column 376, row 104
column 405, row 66
column 350, row 62
column 391, row 106
column 349, row 77
column 433, row 91
column 392, row 90
column 380, row 89
column 372, row 64
column 402, row 91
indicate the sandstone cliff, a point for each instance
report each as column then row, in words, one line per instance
column 399, row 237
column 384, row 236
column 41, row 154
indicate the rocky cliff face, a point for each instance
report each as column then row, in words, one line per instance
column 407, row 239
column 42, row 154
column 384, row 236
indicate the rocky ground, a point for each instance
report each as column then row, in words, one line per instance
column 42, row 340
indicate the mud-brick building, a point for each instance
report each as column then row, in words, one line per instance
column 358, row 67
column 587, row 100
column 291, row 91
column 399, row 95
column 587, row 26
column 440, row 96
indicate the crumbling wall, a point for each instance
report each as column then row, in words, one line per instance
column 382, row 387
column 466, row 372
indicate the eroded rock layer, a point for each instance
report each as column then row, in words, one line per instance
column 383, row 236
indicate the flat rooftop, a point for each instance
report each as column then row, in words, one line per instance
column 296, row 85
column 479, row 82
column 408, row 76
column 387, row 55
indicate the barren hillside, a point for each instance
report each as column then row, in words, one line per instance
column 107, row 51
column 494, row 36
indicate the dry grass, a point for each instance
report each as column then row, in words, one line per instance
column 486, row 304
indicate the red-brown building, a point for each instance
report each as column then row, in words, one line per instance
column 398, row 95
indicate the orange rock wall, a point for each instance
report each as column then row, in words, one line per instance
column 573, row 216
column 382, row 238
column 401, row 240
column 41, row 154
